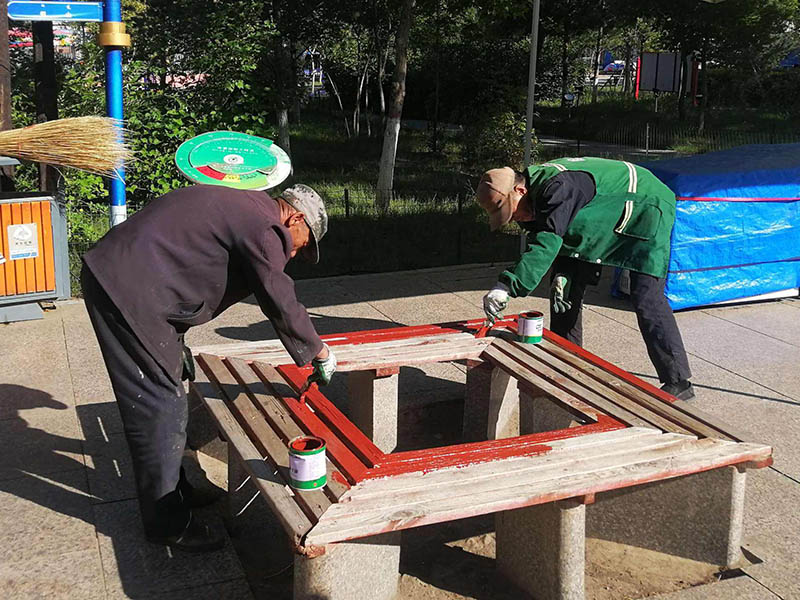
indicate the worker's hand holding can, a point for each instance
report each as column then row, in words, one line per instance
column 495, row 302
column 324, row 367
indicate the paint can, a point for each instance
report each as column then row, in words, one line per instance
column 307, row 465
column 529, row 327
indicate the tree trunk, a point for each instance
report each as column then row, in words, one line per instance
column 626, row 74
column 357, row 103
column 564, row 61
column 596, row 68
column 704, row 100
column 339, row 100
column 6, row 173
column 392, row 132
column 366, row 106
column 46, row 92
column 380, row 63
column 284, row 141
column 682, row 91
column 283, row 80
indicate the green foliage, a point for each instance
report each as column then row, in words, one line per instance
column 497, row 141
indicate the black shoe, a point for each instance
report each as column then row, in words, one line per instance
column 193, row 497
column 196, row 537
column 683, row 390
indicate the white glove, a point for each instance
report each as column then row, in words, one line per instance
column 324, row 368
column 496, row 301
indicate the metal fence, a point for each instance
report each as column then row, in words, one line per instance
column 420, row 229
column 655, row 136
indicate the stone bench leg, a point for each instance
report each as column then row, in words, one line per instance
column 542, row 549
column 242, row 493
column 365, row 568
column 538, row 413
column 696, row 516
column 491, row 404
column 373, row 405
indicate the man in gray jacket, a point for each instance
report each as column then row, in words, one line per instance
column 179, row 262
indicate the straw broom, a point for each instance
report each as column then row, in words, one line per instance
column 93, row 144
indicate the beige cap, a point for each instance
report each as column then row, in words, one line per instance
column 493, row 195
column 302, row 198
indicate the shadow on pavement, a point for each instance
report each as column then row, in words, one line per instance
column 100, row 494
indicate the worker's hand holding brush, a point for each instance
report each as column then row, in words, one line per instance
column 495, row 302
column 324, row 367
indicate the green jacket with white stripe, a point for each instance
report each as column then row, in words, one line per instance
column 626, row 224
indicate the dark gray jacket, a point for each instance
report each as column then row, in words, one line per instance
column 192, row 253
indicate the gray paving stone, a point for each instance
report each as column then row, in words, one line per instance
column 109, row 469
column 766, row 360
column 45, row 516
column 775, row 319
column 62, row 577
column 99, row 419
column 771, row 525
column 739, row 588
column 236, row 589
column 137, row 568
column 49, row 443
column 427, row 307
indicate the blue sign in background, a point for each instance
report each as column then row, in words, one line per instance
column 27, row 10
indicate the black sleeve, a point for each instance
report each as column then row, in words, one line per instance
column 561, row 199
column 275, row 293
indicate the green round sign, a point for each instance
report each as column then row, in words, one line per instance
column 231, row 159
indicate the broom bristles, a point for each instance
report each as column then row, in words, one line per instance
column 94, row 144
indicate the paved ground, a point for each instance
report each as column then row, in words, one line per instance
column 68, row 517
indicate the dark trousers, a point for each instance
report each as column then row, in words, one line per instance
column 154, row 414
column 656, row 321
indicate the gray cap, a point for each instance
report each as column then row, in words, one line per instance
column 307, row 201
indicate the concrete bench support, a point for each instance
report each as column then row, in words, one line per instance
column 697, row 516
column 542, row 549
column 540, row 413
column 491, row 404
column 374, row 405
column 365, row 568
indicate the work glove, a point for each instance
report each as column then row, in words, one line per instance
column 559, row 292
column 188, row 372
column 323, row 369
column 495, row 302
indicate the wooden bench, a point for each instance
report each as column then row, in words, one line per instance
column 588, row 431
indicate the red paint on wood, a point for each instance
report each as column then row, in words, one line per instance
column 386, row 371
column 350, row 465
column 474, row 452
column 400, row 333
column 607, row 366
column 338, row 478
column 351, row 435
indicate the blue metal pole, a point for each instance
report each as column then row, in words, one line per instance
column 112, row 13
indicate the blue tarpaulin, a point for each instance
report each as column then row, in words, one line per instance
column 737, row 226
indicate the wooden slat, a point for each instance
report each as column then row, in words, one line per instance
column 281, row 419
column 4, row 252
column 278, row 496
column 352, row 466
column 36, row 209
column 396, row 353
column 711, row 421
column 562, row 454
column 352, row 520
column 462, row 455
column 19, row 265
column 313, row 502
column 666, row 409
column 30, row 267
column 356, row 440
column 501, row 354
column 587, row 383
column 49, row 256
column 10, row 267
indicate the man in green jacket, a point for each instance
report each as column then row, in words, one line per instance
column 582, row 213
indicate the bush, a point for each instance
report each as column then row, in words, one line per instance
column 498, row 141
